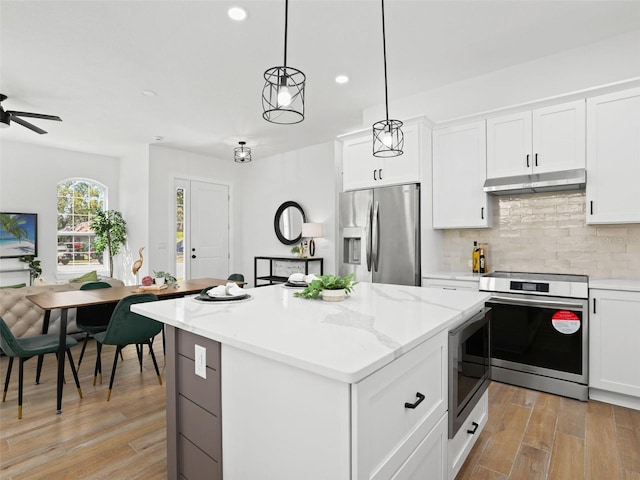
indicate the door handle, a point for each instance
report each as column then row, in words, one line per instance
column 368, row 237
column 375, row 236
column 481, row 213
column 374, row 175
column 416, row 403
column 474, row 428
column 536, row 160
column 193, row 256
column 527, row 160
column 380, row 174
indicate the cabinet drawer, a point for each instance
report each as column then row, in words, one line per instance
column 186, row 346
column 450, row 284
column 384, row 427
column 194, row 464
column 461, row 444
column 202, row 391
column 200, row 427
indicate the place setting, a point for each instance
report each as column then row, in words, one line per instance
column 299, row 280
column 229, row 293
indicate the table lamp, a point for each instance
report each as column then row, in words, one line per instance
column 311, row 230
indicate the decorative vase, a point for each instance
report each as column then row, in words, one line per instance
column 333, row 295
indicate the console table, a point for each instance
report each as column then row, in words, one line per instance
column 271, row 278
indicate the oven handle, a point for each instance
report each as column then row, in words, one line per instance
column 538, row 303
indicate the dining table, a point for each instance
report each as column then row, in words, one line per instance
column 82, row 298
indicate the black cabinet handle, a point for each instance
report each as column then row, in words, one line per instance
column 380, row 174
column 374, row 175
column 417, row 402
column 536, row 159
column 527, row 160
column 594, row 305
column 591, row 206
column 482, row 213
column 474, row 428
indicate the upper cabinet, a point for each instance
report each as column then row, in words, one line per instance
column 613, row 158
column 535, row 141
column 360, row 169
column 459, row 172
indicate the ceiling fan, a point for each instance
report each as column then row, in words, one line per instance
column 10, row 115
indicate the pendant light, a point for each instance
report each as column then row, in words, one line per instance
column 388, row 139
column 242, row 154
column 283, row 92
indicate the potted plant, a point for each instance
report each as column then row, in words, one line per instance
column 164, row 277
column 111, row 233
column 332, row 288
column 35, row 270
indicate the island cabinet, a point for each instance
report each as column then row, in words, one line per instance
column 613, row 158
column 614, row 337
column 547, row 139
column 282, row 422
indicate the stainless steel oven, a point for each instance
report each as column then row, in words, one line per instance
column 540, row 331
column 469, row 367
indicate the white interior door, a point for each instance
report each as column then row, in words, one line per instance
column 206, row 229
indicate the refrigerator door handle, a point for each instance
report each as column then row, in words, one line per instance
column 375, row 236
column 368, row 237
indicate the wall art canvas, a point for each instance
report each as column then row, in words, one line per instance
column 18, row 234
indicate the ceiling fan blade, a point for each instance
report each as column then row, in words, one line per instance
column 34, row 115
column 24, row 123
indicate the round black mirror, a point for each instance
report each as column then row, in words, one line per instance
column 288, row 223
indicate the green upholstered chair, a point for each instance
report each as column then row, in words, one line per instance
column 26, row 348
column 127, row 328
column 94, row 318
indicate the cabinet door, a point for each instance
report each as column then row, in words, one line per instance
column 406, row 167
column 613, row 158
column 614, row 336
column 509, row 145
column 359, row 166
column 459, row 172
column 559, row 137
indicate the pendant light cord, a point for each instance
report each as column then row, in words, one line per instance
column 286, row 23
column 384, row 55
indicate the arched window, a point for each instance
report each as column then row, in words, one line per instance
column 77, row 199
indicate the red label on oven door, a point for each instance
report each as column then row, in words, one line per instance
column 565, row 322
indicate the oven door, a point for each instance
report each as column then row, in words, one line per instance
column 542, row 335
column 469, row 367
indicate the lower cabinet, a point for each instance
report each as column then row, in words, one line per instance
column 446, row 284
column 282, row 422
column 465, row 439
column 614, row 337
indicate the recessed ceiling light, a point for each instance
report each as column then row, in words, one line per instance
column 149, row 93
column 342, row 79
column 158, row 138
column 237, row 13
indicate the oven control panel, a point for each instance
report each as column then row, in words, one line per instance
column 529, row 287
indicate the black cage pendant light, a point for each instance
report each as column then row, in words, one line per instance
column 388, row 139
column 283, row 92
column 242, row 154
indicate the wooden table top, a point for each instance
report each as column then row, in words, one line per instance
column 83, row 298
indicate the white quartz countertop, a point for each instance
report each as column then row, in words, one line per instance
column 345, row 341
column 625, row 284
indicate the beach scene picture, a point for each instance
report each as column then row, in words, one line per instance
column 18, row 234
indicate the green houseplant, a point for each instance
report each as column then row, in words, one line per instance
column 35, row 270
column 166, row 278
column 328, row 282
column 111, row 233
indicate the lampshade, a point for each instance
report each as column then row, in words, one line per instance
column 311, row 230
column 242, row 154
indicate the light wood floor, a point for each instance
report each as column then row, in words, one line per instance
column 529, row 435
column 537, row 436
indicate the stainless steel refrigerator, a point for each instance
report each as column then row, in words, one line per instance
column 379, row 234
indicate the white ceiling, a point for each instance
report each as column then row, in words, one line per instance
column 88, row 62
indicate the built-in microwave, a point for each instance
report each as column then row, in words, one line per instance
column 469, row 367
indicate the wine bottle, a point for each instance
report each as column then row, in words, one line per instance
column 475, row 258
column 481, row 262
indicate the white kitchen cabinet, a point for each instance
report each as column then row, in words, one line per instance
column 459, row 173
column 471, row 285
column 460, row 445
column 360, row 169
column 547, row 139
column 614, row 339
column 613, row 158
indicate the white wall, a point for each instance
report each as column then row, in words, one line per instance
column 305, row 176
column 29, row 175
column 613, row 60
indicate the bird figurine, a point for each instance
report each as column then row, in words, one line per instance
column 138, row 263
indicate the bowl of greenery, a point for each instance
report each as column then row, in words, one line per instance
column 332, row 288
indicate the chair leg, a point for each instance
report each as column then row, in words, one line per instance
column 140, row 352
column 7, row 378
column 74, row 371
column 39, row 368
column 20, row 384
column 84, row 347
column 113, row 371
column 98, row 369
column 155, row 364
column 45, row 329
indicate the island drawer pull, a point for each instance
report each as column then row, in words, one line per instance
column 417, row 402
column 473, row 429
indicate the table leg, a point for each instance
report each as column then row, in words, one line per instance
column 62, row 350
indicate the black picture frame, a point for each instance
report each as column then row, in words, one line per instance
column 18, row 234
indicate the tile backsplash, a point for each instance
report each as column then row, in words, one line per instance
column 546, row 232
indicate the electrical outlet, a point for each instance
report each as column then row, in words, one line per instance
column 201, row 361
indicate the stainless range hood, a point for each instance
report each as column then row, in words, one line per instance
column 537, row 182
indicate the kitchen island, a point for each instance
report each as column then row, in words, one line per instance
column 310, row 389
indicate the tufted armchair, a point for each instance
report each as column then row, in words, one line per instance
column 25, row 319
